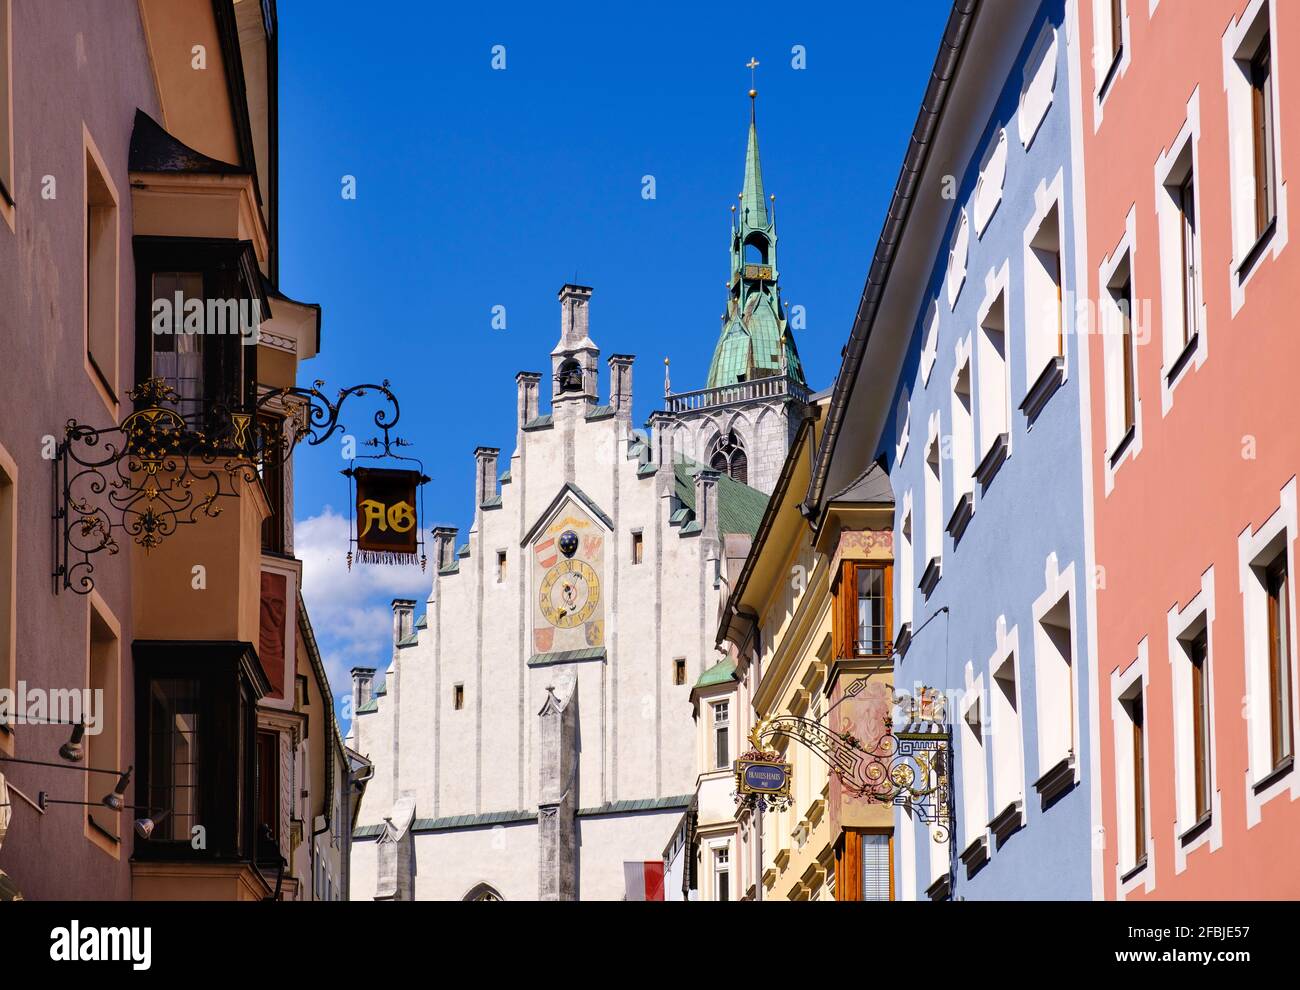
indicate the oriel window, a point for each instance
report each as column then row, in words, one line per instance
column 863, row 610
column 174, row 796
column 178, row 355
column 873, row 628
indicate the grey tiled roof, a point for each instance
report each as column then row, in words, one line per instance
column 489, row 818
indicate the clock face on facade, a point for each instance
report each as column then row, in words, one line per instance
column 570, row 593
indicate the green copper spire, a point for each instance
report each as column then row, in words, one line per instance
column 755, row 341
column 753, row 204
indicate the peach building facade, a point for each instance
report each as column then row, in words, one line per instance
column 1186, row 126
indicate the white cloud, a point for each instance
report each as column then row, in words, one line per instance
column 351, row 611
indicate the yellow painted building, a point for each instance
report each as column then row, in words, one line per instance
column 809, row 618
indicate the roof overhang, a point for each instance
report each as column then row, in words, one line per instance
column 951, row 122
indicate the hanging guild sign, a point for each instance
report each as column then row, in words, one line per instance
column 763, row 777
column 388, row 530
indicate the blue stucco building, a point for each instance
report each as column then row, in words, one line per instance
column 964, row 379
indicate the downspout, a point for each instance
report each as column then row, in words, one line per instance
column 951, row 49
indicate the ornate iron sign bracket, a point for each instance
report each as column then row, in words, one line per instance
column 169, row 463
column 908, row 766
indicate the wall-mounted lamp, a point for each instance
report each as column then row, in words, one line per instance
column 72, row 750
column 144, row 826
column 112, row 800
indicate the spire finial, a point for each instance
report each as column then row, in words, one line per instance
column 751, row 65
column 667, row 383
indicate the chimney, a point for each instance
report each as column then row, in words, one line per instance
column 361, row 680
column 620, row 384
column 574, row 325
column 706, row 502
column 485, row 473
column 444, row 546
column 403, row 618
column 526, row 383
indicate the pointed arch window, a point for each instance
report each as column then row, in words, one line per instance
column 727, row 454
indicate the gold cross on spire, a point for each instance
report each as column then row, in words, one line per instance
column 751, row 65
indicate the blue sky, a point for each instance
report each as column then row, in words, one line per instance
column 479, row 187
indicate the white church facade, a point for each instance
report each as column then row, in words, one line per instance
column 533, row 732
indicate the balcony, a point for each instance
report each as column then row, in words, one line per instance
column 728, row 395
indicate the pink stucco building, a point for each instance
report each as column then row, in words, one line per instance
column 1193, row 449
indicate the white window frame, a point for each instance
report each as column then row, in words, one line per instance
column 1038, row 86
column 992, row 384
column 1052, row 691
column 1239, row 41
column 905, row 868
column 1048, row 197
column 903, row 424
column 716, row 869
column 1255, row 549
column 1007, row 724
column 1108, row 318
column 1170, row 172
column 1104, row 77
column 958, row 258
column 962, row 424
column 930, row 342
column 906, row 561
column 932, row 468
column 1123, row 685
column 725, row 723
column 974, row 761
column 992, row 179
column 1183, row 624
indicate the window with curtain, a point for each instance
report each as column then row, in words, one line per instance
column 877, row 867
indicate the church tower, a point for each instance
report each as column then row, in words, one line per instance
column 743, row 421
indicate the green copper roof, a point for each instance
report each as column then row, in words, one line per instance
column 720, row 673
column 755, row 341
column 740, row 508
column 753, row 204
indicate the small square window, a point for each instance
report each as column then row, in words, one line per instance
column 501, row 566
column 638, row 547
column 679, row 671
